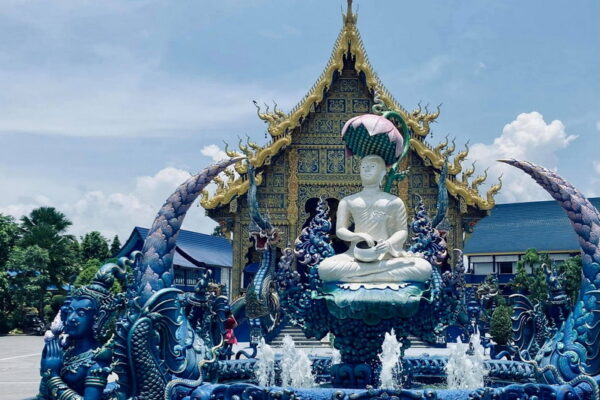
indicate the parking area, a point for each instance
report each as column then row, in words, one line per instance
column 19, row 366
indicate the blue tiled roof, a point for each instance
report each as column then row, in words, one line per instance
column 516, row 227
column 192, row 248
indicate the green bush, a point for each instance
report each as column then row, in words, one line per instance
column 501, row 325
column 5, row 324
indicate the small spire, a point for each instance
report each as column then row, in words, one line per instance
column 349, row 17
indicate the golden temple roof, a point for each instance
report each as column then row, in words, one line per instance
column 281, row 125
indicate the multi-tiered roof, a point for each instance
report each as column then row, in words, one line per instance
column 281, row 126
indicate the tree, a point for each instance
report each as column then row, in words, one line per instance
column 538, row 292
column 94, row 245
column 501, row 325
column 42, row 227
column 572, row 270
column 46, row 227
column 115, row 246
column 9, row 234
column 27, row 269
column 88, row 272
column 522, row 280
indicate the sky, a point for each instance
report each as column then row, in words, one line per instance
column 105, row 107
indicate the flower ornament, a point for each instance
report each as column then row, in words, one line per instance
column 375, row 134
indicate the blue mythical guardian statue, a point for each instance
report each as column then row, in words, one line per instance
column 262, row 300
column 77, row 357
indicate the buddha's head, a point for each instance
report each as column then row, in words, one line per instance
column 372, row 170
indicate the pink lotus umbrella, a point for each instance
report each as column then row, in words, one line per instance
column 362, row 137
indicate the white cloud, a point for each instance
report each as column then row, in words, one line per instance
column 597, row 166
column 117, row 212
column 213, row 151
column 480, row 67
column 527, row 138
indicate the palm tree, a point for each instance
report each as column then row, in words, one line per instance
column 46, row 227
column 43, row 226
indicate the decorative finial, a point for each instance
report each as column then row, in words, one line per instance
column 349, row 17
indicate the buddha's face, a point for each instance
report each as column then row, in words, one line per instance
column 372, row 170
column 79, row 319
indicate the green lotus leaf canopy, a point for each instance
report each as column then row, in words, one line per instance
column 371, row 134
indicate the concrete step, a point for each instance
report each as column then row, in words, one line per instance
column 298, row 336
column 304, row 345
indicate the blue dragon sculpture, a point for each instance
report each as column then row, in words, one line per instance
column 262, row 300
column 572, row 355
column 154, row 341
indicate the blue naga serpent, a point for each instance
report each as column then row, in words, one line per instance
column 154, row 342
column 572, row 355
column 261, row 303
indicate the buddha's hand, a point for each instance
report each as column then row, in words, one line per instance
column 383, row 247
column 52, row 358
column 366, row 237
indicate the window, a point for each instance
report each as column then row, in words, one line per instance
column 505, row 267
column 179, row 276
column 193, row 275
column 483, row 268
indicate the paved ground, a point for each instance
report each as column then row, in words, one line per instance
column 19, row 366
column 20, row 363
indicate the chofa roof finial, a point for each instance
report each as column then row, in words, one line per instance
column 349, row 17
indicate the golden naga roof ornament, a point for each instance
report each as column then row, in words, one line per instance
column 449, row 150
column 478, row 181
column 495, row 188
column 258, row 156
column 456, row 166
column 467, row 174
column 441, row 146
column 235, row 188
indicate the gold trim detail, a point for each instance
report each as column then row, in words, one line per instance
column 224, row 195
column 471, row 196
column 348, row 41
column 258, row 156
column 292, row 208
column 281, row 125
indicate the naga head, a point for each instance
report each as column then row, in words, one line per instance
column 90, row 310
column 260, row 230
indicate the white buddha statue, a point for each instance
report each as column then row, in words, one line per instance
column 380, row 221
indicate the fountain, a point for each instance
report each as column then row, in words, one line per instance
column 296, row 368
column 265, row 366
column 465, row 366
column 391, row 364
column 150, row 335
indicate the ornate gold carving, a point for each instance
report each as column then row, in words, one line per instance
column 467, row 174
column 292, row 208
column 440, row 146
column 456, row 166
column 258, row 156
column 478, row 181
column 348, row 40
column 235, row 188
column 470, row 197
column 495, row 188
column 281, row 125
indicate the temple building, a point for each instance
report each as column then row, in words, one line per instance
column 194, row 253
column 305, row 159
column 501, row 239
